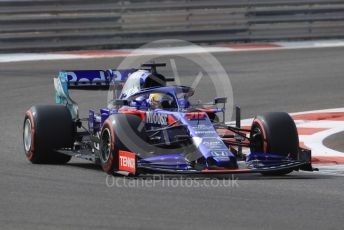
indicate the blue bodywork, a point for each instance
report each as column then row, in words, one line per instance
column 210, row 146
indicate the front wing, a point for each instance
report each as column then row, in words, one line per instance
column 287, row 166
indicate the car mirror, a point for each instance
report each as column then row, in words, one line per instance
column 220, row 100
column 121, row 102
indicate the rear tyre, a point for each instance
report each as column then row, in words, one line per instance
column 47, row 128
column 275, row 132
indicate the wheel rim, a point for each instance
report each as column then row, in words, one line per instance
column 27, row 135
column 106, row 143
column 258, row 141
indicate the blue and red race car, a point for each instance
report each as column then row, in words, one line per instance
column 149, row 127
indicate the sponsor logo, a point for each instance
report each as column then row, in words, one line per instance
column 212, row 144
column 195, row 116
column 87, row 78
column 205, row 132
column 219, row 153
column 156, row 118
column 126, row 161
column 202, row 127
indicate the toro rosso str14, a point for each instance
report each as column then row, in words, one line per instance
column 150, row 127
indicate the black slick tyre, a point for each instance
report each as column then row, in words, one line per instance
column 45, row 129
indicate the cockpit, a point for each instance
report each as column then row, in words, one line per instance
column 170, row 98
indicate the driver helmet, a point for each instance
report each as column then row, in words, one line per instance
column 160, row 100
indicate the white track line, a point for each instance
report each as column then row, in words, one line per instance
column 17, row 57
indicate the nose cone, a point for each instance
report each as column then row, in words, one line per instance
column 225, row 162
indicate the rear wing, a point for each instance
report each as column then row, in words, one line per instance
column 79, row 78
column 95, row 79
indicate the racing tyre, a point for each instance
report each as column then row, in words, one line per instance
column 46, row 128
column 275, row 132
column 116, row 128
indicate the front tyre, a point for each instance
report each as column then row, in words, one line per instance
column 45, row 129
column 108, row 152
column 114, row 129
column 275, row 132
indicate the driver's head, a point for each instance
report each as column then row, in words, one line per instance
column 160, row 100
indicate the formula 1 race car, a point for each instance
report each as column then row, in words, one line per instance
column 150, row 127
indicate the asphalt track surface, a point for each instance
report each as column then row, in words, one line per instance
column 335, row 141
column 75, row 196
